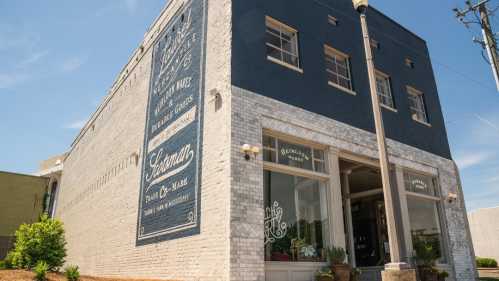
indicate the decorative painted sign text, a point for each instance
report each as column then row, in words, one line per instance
column 171, row 173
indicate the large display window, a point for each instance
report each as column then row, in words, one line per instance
column 423, row 206
column 296, row 219
column 296, row 201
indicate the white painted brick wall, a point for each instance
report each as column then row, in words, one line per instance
column 252, row 112
column 98, row 202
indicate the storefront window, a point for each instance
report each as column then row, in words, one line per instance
column 418, row 183
column 296, row 220
column 294, row 155
column 424, row 216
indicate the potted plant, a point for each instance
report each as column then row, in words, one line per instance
column 355, row 274
column 426, row 256
column 340, row 269
column 324, row 274
column 442, row 275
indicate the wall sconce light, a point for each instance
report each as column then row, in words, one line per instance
column 249, row 150
column 217, row 98
column 451, row 197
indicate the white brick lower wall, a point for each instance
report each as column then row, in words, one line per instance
column 252, row 112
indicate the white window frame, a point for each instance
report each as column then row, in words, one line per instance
column 275, row 166
column 437, row 199
column 388, row 86
column 332, row 52
column 281, row 27
column 418, row 96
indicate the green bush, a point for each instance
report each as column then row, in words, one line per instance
column 486, row 262
column 40, row 270
column 72, row 273
column 40, row 241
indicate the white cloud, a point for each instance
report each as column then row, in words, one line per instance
column 9, row 80
column 33, row 58
column 73, row 64
column 77, row 125
column 131, row 5
column 472, row 159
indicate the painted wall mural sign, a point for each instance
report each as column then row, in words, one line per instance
column 171, row 168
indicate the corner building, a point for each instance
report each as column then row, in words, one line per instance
column 166, row 181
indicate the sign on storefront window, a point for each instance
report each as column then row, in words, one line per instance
column 292, row 154
column 419, row 183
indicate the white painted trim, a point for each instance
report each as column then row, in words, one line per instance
column 366, row 193
column 388, row 107
column 337, row 224
column 285, row 64
column 341, row 88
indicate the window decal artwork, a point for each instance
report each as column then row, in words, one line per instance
column 274, row 228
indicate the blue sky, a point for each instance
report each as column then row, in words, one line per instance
column 60, row 57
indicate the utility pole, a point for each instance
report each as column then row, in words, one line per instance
column 489, row 40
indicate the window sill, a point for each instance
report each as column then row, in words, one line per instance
column 348, row 91
column 290, row 66
column 389, row 108
column 422, row 122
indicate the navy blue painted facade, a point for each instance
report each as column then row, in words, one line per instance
column 309, row 90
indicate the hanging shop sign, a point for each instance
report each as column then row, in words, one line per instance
column 171, row 168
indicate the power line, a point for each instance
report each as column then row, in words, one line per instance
column 482, row 18
column 405, row 45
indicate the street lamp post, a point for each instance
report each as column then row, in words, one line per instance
column 396, row 269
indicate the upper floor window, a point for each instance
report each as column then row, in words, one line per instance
column 282, row 43
column 384, row 90
column 338, row 69
column 417, row 105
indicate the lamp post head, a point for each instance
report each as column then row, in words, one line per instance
column 360, row 5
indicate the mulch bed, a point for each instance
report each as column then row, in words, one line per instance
column 23, row 275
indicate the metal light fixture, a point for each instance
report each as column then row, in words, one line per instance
column 248, row 150
column 360, row 5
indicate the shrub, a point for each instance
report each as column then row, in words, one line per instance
column 486, row 262
column 40, row 270
column 40, row 241
column 7, row 262
column 72, row 273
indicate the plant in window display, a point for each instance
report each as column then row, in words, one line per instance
column 340, row 269
column 324, row 274
column 427, row 252
column 355, row 274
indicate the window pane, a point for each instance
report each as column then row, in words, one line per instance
column 295, row 155
column 319, row 154
column 273, row 52
column 320, row 166
column 425, row 226
column 418, row 183
column 273, row 40
column 290, row 59
column 268, row 141
column 269, row 155
column 337, row 69
column 285, row 43
column 296, row 220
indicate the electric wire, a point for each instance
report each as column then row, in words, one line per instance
column 405, row 45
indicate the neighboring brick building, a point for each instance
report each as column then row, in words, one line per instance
column 21, row 201
column 237, row 144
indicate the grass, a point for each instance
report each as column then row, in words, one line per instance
column 23, row 275
column 489, row 279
